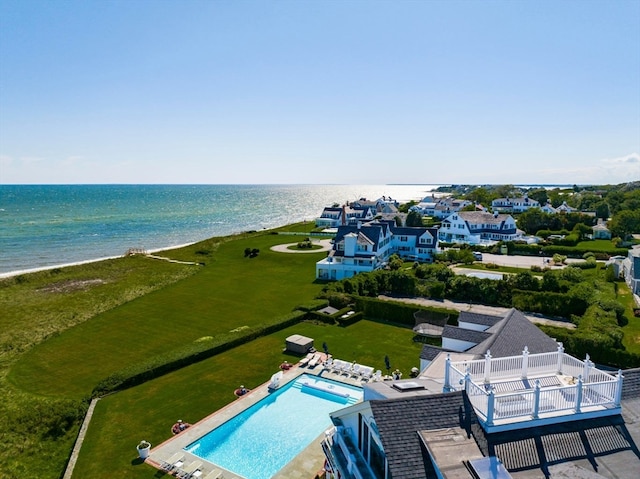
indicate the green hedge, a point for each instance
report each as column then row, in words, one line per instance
column 397, row 312
column 579, row 345
column 189, row 353
column 548, row 303
column 572, row 252
column 314, row 305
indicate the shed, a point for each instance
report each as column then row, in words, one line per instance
column 299, row 344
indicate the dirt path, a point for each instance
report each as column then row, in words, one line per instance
column 477, row 308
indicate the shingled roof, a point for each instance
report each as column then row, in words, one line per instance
column 510, row 336
column 399, row 420
column 477, row 318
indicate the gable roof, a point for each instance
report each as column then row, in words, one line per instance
column 510, row 336
column 477, row 318
column 462, row 334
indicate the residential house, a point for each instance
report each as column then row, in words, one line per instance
column 523, row 416
column 335, row 216
column 565, row 208
column 475, row 227
column 385, row 204
column 440, row 207
column 631, row 269
column 367, row 247
column 600, row 230
column 548, row 208
column 514, row 205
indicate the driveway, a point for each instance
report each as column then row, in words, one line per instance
column 477, row 308
column 522, row 261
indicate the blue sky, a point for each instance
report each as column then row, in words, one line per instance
column 354, row 92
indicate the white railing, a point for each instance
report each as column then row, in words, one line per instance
column 481, row 379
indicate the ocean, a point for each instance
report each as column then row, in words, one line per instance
column 42, row 226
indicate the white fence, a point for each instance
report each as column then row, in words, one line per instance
column 506, row 388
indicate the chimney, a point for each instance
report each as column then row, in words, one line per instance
column 344, row 215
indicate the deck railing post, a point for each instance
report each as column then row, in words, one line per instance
column 491, row 400
column 487, row 367
column 467, row 380
column 536, row 400
column 447, row 377
column 618, row 394
column 560, row 354
column 587, row 368
column 578, row 394
column 525, row 362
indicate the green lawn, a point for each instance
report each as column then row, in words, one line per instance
column 229, row 292
column 148, row 411
column 596, row 245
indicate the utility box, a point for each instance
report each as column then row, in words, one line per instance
column 298, row 344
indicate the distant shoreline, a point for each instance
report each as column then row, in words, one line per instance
column 11, row 274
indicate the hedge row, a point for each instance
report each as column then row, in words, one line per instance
column 188, row 354
column 548, row 303
column 579, row 345
column 397, row 312
column 572, row 252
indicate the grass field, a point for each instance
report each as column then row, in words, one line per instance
column 148, row 411
column 229, row 292
column 64, row 330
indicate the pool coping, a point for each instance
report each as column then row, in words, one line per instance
column 180, row 441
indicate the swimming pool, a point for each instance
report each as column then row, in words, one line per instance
column 261, row 440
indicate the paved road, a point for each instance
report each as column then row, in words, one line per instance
column 477, row 308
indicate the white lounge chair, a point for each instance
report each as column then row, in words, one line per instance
column 328, row 364
column 366, row 372
column 338, row 366
column 314, row 361
column 306, row 359
column 355, row 370
column 173, row 462
column 215, row 474
column 188, row 471
column 377, row 376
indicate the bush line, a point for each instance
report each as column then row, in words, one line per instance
column 188, row 354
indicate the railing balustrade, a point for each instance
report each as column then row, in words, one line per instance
column 494, row 397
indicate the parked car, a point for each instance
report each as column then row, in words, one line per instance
column 477, row 255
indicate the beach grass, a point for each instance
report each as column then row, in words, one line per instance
column 147, row 411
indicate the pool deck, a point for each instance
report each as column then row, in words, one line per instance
column 304, row 466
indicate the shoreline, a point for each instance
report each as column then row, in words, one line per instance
column 11, row 274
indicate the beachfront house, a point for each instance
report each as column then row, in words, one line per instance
column 366, row 247
column 514, row 205
column 477, row 227
column 332, row 217
column 439, row 207
column 631, row 269
column 477, row 414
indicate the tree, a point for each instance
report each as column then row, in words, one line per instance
column 414, row 219
column 538, row 194
column 480, row 195
column 602, row 210
column 582, row 230
column 532, row 220
column 625, row 223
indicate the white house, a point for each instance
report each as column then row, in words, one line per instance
column 600, row 231
column 631, row 269
column 367, row 247
column 514, row 205
column 476, row 227
column 334, row 216
column 439, row 207
column 470, row 415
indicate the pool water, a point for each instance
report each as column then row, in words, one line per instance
column 261, row 440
